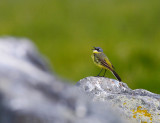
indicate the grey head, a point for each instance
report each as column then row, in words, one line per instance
column 98, row 49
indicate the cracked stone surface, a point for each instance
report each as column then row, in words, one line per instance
column 137, row 105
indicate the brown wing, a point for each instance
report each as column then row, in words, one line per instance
column 104, row 63
column 101, row 59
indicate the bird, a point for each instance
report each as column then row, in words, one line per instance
column 102, row 61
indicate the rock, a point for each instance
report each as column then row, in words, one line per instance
column 30, row 93
column 135, row 105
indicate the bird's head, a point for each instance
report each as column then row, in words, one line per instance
column 97, row 50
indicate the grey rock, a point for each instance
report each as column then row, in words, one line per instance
column 137, row 105
column 30, row 93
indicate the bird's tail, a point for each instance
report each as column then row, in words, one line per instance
column 116, row 75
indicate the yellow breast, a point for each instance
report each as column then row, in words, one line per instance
column 98, row 63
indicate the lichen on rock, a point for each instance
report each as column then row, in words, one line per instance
column 137, row 105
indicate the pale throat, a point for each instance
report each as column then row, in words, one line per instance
column 95, row 51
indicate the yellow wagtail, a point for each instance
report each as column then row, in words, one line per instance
column 102, row 61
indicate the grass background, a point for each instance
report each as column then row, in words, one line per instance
column 66, row 30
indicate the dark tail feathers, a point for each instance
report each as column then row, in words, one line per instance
column 116, row 75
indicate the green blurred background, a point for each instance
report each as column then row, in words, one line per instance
column 66, row 30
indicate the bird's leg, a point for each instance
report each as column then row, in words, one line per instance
column 104, row 72
column 100, row 72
